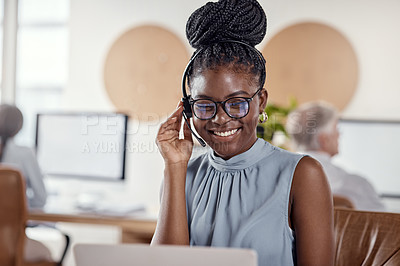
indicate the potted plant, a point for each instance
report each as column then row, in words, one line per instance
column 273, row 130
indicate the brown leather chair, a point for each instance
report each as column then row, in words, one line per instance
column 367, row 238
column 13, row 213
column 342, row 202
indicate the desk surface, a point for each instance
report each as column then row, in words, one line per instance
column 104, row 206
column 141, row 220
column 135, row 229
column 97, row 203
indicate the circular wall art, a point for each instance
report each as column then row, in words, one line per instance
column 143, row 71
column 311, row 61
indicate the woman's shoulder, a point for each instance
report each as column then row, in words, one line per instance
column 309, row 164
column 309, row 175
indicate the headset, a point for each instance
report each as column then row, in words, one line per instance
column 187, row 108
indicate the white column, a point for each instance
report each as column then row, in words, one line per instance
column 10, row 25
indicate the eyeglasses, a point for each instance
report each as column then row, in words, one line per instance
column 235, row 107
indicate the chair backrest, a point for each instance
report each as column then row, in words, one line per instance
column 342, row 202
column 367, row 238
column 12, row 216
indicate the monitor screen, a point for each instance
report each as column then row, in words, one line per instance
column 86, row 145
column 370, row 149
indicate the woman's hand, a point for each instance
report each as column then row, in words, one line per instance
column 172, row 225
column 173, row 149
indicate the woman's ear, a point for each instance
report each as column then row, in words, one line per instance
column 263, row 99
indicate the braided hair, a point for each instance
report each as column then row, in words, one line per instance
column 210, row 28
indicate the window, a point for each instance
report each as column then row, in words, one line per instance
column 1, row 38
column 42, row 60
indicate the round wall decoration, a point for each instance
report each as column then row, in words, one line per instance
column 143, row 71
column 311, row 61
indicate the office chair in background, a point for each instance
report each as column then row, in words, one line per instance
column 13, row 215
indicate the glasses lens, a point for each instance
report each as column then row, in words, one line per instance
column 204, row 109
column 237, row 107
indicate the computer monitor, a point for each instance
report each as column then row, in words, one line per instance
column 82, row 145
column 370, row 148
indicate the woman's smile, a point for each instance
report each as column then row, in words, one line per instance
column 226, row 133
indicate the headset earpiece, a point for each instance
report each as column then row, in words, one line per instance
column 187, row 108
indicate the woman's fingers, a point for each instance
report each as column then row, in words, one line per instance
column 171, row 147
column 178, row 111
column 168, row 135
column 175, row 119
column 169, row 124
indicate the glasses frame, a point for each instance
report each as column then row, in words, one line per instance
column 222, row 103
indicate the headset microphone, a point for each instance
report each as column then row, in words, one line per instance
column 201, row 141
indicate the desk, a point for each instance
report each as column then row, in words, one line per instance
column 135, row 229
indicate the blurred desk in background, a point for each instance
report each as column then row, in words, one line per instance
column 137, row 228
column 88, row 202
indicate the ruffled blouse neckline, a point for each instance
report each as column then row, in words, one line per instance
column 240, row 161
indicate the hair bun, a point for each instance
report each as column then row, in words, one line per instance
column 241, row 20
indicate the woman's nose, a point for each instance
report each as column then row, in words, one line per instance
column 220, row 116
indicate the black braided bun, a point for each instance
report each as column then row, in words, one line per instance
column 212, row 25
column 241, row 20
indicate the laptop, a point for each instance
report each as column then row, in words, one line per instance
column 145, row 255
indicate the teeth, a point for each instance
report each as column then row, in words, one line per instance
column 226, row 133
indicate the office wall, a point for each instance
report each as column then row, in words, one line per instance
column 370, row 26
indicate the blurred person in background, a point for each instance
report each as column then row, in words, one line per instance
column 312, row 128
column 22, row 158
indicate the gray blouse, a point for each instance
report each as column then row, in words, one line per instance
column 243, row 202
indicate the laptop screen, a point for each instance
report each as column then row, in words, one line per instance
column 85, row 145
column 161, row 255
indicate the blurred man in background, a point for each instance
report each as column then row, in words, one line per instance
column 313, row 130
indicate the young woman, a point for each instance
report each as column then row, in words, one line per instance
column 244, row 192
